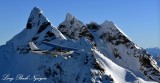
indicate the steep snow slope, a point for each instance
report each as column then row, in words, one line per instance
column 56, row 69
column 14, row 64
column 155, row 52
column 119, row 74
column 115, row 45
column 119, row 48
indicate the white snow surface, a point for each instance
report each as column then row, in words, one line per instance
column 119, row 74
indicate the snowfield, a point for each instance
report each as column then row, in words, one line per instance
column 119, row 74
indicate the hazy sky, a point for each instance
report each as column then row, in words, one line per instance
column 139, row 19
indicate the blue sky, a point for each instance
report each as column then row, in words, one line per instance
column 139, row 19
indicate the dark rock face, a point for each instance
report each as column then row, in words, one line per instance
column 43, row 26
column 29, row 26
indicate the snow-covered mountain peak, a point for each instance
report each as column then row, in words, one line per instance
column 69, row 17
column 112, row 27
column 71, row 27
column 108, row 23
column 36, row 10
column 38, row 29
column 36, row 18
column 156, row 48
column 72, row 20
column 42, row 25
column 155, row 51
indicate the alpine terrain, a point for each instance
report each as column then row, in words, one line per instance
column 155, row 52
column 105, row 54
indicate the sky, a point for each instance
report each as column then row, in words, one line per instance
column 139, row 19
